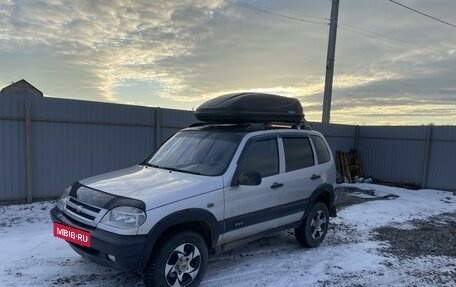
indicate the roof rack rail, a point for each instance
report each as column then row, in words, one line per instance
column 258, row 126
column 197, row 124
column 302, row 126
column 202, row 124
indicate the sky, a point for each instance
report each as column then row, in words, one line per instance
column 392, row 66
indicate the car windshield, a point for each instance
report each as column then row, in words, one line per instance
column 197, row 151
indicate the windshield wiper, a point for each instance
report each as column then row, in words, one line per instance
column 170, row 168
column 181, row 170
column 149, row 164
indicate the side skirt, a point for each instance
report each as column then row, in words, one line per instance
column 237, row 243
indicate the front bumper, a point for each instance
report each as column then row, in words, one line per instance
column 127, row 249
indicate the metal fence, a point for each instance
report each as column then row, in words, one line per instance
column 47, row 144
column 421, row 155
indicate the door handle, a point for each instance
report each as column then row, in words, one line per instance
column 314, row 177
column 276, row 185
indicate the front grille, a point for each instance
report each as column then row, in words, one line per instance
column 86, row 206
column 80, row 213
column 83, row 212
column 77, row 223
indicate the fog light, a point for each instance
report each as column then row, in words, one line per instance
column 111, row 258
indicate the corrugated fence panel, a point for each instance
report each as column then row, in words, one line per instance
column 74, row 139
column 12, row 149
column 125, row 144
column 116, row 147
column 174, row 120
column 393, row 153
column 91, row 112
column 78, row 139
column 339, row 137
column 177, row 118
column 442, row 159
column 61, row 156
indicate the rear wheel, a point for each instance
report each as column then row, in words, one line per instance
column 180, row 260
column 314, row 228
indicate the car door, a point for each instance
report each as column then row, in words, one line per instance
column 253, row 209
column 301, row 177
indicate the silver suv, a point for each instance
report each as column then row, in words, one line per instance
column 208, row 188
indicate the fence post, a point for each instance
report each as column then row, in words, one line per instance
column 427, row 148
column 28, row 151
column 157, row 127
column 357, row 130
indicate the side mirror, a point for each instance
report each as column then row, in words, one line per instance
column 247, row 178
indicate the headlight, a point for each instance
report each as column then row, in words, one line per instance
column 124, row 217
column 63, row 199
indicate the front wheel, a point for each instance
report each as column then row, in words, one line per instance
column 313, row 229
column 180, row 260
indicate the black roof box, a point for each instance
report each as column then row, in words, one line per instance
column 250, row 108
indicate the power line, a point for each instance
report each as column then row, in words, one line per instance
column 271, row 12
column 422, row 13
column 386, row 38
column 351, row 28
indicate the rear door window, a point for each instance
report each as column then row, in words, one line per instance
column 298, row 153
column 321, row 149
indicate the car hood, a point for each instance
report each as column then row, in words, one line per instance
column 154, row 186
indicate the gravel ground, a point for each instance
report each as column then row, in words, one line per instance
column 433, row 237
column 348, row 196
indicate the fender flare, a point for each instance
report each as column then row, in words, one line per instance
column 320, row 190
column 181, row 217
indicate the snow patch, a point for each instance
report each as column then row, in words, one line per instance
column 31, row 256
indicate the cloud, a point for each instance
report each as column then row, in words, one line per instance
column 184, row 52
column 113, row 40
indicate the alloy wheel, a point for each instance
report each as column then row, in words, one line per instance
column 182, row 265
column 318, row 224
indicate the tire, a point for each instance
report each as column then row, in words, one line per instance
column 180, row 260
column 314, row 227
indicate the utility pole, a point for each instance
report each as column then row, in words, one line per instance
column 330, row 62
